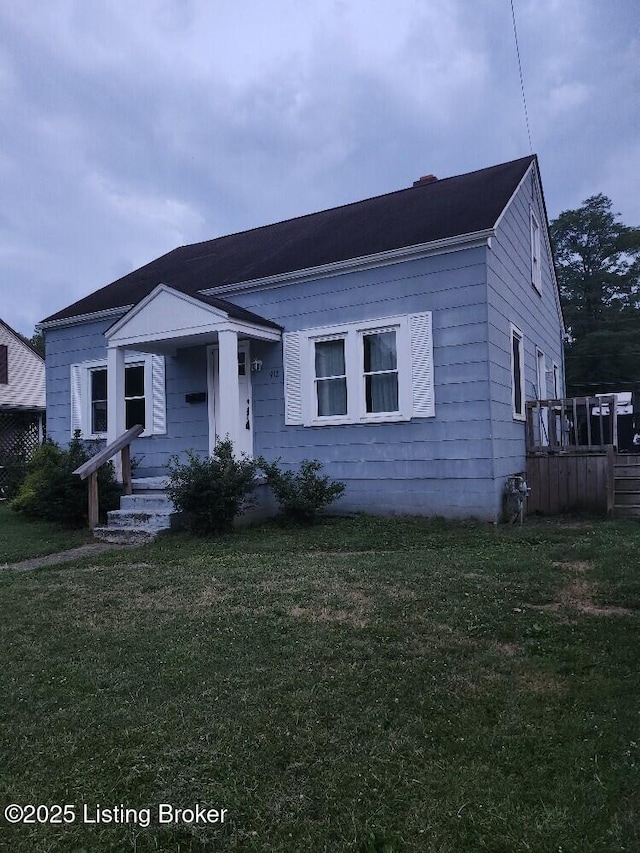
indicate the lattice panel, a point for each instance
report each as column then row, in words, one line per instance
column 18, row 443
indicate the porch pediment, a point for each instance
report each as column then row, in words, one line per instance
column 168, row 317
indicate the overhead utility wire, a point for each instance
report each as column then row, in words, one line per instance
column 524, row 100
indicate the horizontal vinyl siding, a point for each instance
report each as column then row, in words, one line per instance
column 26, row 386
column 441, row 465
column 187, row 424
column 513, row 299
column 64, row 347
column 397, row 467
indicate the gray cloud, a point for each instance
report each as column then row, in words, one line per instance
column 130, row 129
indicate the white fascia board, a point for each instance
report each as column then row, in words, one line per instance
column 380, row 259
column 107, row 314
column 249, row 330
column 193, row 335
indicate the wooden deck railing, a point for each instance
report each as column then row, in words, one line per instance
column 575, row 424
column 89, row 469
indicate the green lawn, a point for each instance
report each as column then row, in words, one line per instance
column 21, row 539
column 374, row 686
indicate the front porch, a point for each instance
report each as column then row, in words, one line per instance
column 206, row 346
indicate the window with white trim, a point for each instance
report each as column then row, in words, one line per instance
column 536, row 268
column 517, row 373
column 330, row 378
column 98, row 414
column 144, row 395
column 380, row 371
column 374, row 371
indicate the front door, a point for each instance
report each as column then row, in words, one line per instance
column 243, row 441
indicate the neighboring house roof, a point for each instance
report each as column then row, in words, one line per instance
column 429, row 211
column 22, row 386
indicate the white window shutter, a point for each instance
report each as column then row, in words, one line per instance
column 77, row 381
column 292, row 379
column 158, row 395
column 422, row 365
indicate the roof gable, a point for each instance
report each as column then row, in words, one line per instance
column 167, row 315
column 23, row 384
column 422, row 214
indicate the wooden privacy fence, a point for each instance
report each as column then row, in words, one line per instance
column 579, row 480
column 571, row 454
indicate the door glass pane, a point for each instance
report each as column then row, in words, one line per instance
column 242, row 363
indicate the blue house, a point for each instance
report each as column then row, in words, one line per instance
column 395, row 339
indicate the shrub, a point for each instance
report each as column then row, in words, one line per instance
column 14, row 465
column 211, row 491
column 303, row 494
column 52, row 491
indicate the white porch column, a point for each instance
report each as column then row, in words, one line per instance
column 227, row 413
column 115, row 401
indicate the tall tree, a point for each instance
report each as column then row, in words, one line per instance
column 598, row 265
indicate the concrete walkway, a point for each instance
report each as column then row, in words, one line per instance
column 88, row 550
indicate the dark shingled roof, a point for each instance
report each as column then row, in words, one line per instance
column 235, row 311
column 424, row 213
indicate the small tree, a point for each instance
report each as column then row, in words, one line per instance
column 212, row 491
column 303, row 494
column 598, row 266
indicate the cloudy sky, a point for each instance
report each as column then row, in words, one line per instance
column 130, row 128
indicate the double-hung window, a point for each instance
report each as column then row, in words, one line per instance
column 380, row 352
column 330, row 378
column 135, row 406
column 144, row 395
column 374, row 371
column 536, row 267
column 134, row 398
column 517, row 373
column 98, row 404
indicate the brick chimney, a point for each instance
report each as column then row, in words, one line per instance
column 425, row 179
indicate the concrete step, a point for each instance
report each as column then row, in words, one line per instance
column 125, row 535
column 149, row 520
column 147, row 501
column 149, row 484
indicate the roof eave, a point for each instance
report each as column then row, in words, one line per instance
column 379, row 259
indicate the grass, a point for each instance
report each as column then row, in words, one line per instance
column 21, row 539
column 374, row 686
